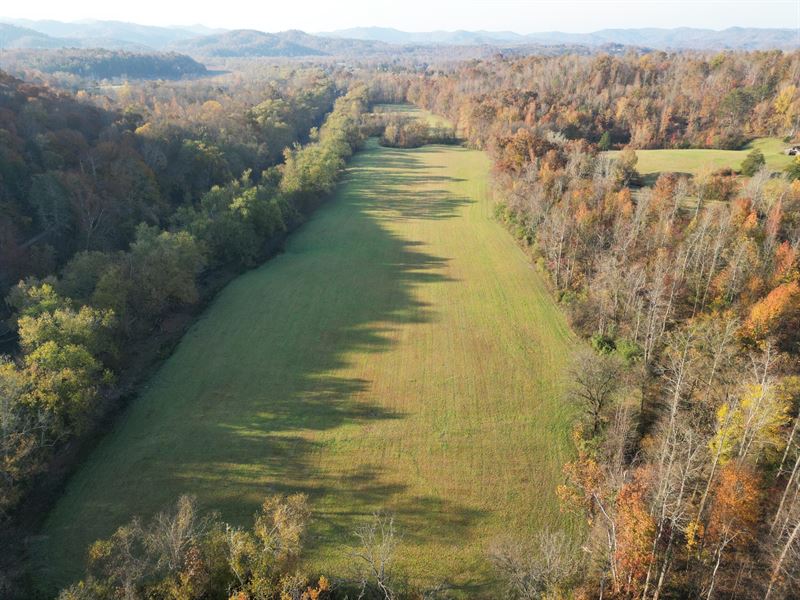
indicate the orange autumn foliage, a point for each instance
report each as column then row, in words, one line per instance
column 735, row 512
column 585, row 480
column 776, row 314
column 741, row 209
column 318, row 592
column 635, row 531
column 785, row 264
column 623, row 204
column 750, row 223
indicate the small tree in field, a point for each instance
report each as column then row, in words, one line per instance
column 625, row 166
column 605, row 142
column 753, row 163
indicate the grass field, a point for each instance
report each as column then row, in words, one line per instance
column 692, row 161
column 411, row 111
column 401, row 354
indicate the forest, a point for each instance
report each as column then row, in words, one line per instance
column 102, row 233
column 98, row 63
column 125, row 209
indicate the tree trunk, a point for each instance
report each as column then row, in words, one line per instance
column 777, row 570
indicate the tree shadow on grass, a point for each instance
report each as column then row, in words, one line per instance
column 413, row 193
column 234, row 414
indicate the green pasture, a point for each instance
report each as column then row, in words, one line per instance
column 411, row 111
column 401, row 355
column 692, row 161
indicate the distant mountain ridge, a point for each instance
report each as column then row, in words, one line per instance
column 26, row 33
column 252, row 43
column 12, row 36
column 680, row 38
column 198, row 40
column 204, row 41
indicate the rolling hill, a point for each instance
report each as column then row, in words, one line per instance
column 244, row 42
column 110, row 34
column 204, row 41
column 102, row 63
column 12, row 36
column 252, row 43
column 682, row 38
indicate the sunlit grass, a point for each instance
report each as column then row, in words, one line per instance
column 692, row 161
column 411, row 111
column 401, row 354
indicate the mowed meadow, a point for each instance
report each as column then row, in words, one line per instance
column 400, row 355
column 692, row 161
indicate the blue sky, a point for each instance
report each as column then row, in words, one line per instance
column 522, row 16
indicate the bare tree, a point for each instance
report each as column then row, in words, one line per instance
column 378, row 544
column 532, row 573
column 596, row 378
column 171, row 535
column 784, row 567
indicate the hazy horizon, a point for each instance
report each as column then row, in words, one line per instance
column 519, row 16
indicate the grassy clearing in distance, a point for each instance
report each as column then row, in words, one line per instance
column 401, row 354
column 411, row 111
column 693, row 160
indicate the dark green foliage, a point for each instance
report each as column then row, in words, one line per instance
column 605, row 142
column 754, row 161
column 629, row 351
column 101, row 63
column 603, row 343
column 234, row 221
column 75, row 329
column 793, row 170
column 75, row 177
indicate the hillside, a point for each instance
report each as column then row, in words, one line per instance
column 12, row 36
column 110, row 34
column 243, row 42
column 252, row 43
column 104, row 64
column 204, row 41
column 395, row 36
column 684, row 38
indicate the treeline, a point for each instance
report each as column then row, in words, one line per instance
column 77, row 329
column 100, row 63
column 413, row 133
column 183, row 553
column 654, row 100
column 688, row 458
column 75, row 176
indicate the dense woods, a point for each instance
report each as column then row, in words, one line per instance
column 109, row 258
column 653, row 100
column 413, row 133
column 81, row 177
column 98, row 63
